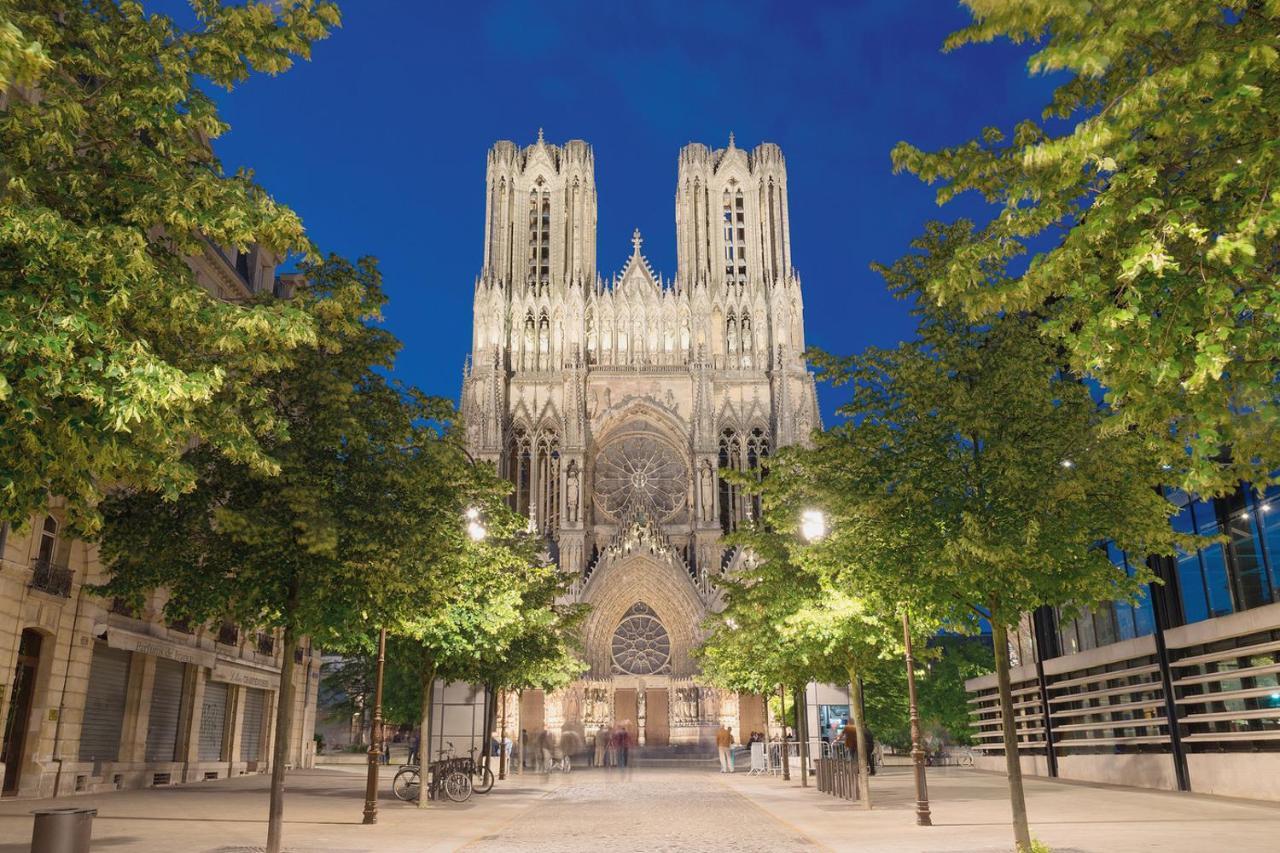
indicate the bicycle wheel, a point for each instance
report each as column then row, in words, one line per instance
column 405, row 785
column 482, row 781
column 457, row 786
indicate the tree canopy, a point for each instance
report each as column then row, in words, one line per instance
column 362, row 519
column 1152, row 176
column 113, row 358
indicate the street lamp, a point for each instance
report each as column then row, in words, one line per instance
column 813, row 526
column 476, row 530
column 375, row 737
column 917, row 747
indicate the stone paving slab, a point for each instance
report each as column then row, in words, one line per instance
column 971, row 814
column 323, row 814
column 647, row 810
column 660, row 810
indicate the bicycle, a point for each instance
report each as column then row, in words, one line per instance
column 481, row 775
column 450, row 776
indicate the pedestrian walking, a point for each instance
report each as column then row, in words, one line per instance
column 602, row 736
column 611, row 747
column 724, row 746
column 623, row 742
column 545, row 745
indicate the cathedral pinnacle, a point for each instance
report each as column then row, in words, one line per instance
column 539, row 136
column 636, row 240
column 731, row 139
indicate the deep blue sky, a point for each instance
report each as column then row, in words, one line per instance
column 379, row 141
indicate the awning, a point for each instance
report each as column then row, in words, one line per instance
column 119, row 638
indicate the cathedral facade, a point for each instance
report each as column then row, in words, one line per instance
column 614, row 405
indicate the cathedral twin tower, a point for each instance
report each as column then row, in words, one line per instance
column 613, row 404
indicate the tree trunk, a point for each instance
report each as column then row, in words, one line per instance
column 424, row 733
column 490, row 723
column 502, row 740
column 786, row 741
column 802, row 732
column 863, row 742
column 280, row 749
column 1008, row 727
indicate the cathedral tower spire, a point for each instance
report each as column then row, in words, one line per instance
column 732, row 223
column 540, row 215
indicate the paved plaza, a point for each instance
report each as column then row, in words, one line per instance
column 685, row 810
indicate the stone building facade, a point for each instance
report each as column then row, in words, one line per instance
column 613, row 405
column 93, row 697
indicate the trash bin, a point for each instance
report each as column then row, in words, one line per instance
column 64, row 830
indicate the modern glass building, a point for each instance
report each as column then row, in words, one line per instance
column 1180, row 690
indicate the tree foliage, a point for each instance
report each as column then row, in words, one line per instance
column 974, row 476
column 362, row 518
column 1153, row 171
column 113, row 359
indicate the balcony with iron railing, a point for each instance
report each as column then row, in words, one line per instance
column 49, row 577
column 228, row 634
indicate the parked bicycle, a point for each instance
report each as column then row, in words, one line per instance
column 449, row 776
column 481, row 775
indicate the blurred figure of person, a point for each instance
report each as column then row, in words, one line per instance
column 602, row 735
column 545, row 745
column 724, row 746
column 413, row 748
column 622, row 742
column 611, row 747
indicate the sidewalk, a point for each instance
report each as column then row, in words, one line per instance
column 971, row 815
column 323, row 812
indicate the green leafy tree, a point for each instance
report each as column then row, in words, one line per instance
column 788, row 620
column 973, row 477
column 113, row 359
column 499, row 624
column 366, row 494
column 1152, row 176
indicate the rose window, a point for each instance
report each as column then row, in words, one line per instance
column 640, row 644
column 640, row 473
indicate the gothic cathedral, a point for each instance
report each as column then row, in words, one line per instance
column 614, row 404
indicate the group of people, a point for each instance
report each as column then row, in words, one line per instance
column 612, row 745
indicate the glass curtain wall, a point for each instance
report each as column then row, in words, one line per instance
column 1226, row 577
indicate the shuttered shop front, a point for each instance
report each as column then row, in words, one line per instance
column 104, row 704
column 166, row 709
column 213, row 720
column 255, row 703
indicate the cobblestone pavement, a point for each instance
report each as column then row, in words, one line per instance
column 650, row 810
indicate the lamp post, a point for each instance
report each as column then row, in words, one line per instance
column 375, row 737
column 917, row 748
column 476, row 530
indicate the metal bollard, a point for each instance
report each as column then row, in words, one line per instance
column 65, row 830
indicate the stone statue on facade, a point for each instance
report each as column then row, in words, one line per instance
column 571, row 492
column 706, row 486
